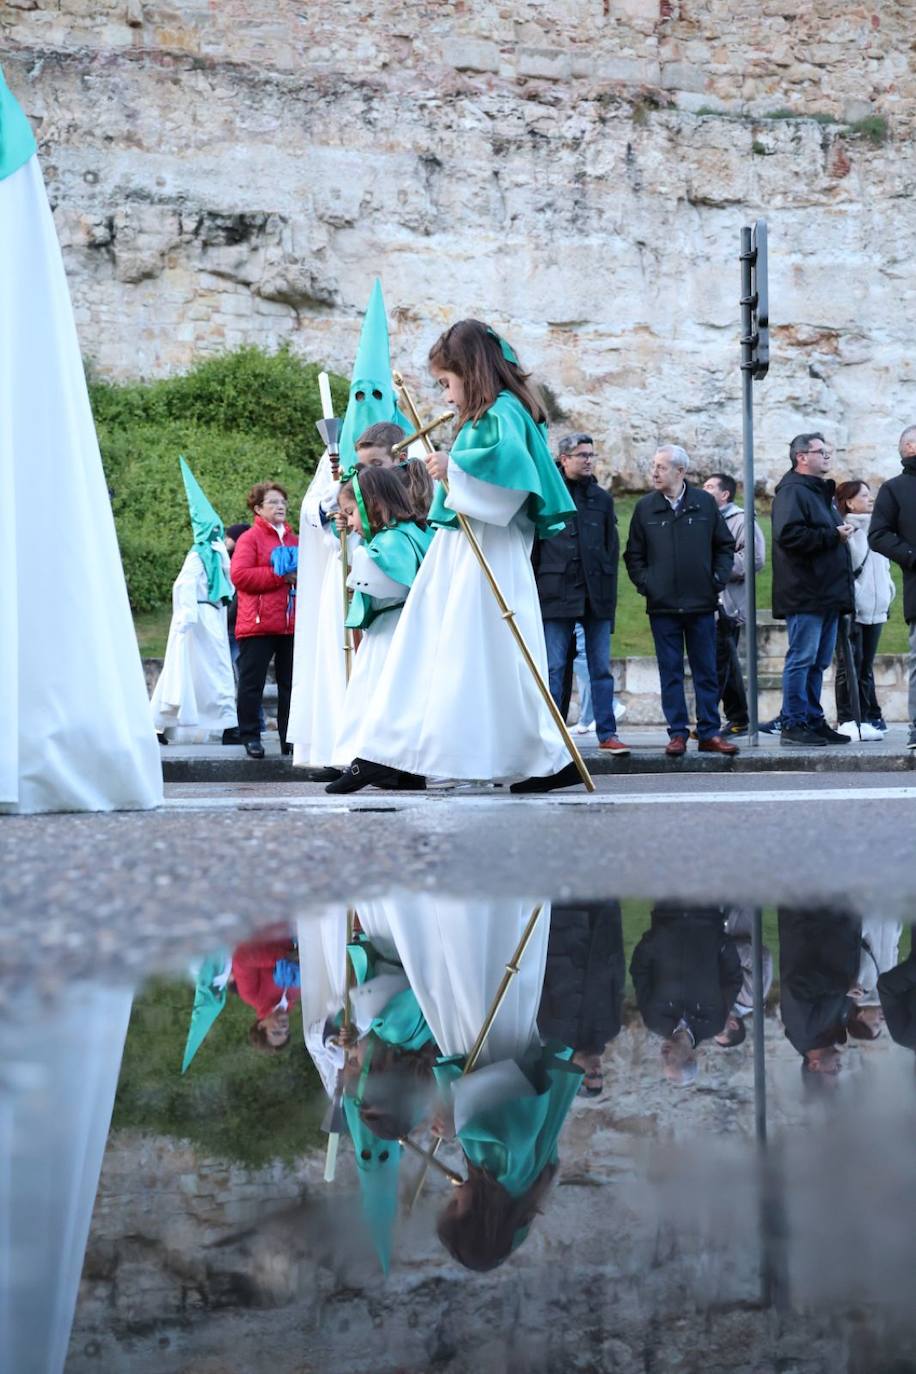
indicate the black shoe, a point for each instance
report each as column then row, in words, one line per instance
column 567, row 777
column 360, row 774
column 801, row 735
column 286, row 748
column 770, row 727
column 325, row 774
column 410, row 782
column 232, row 736
column 254, row 748
column 735, row 727
column 829, row 736
column 162, row 738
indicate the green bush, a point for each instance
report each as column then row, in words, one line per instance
column 238, row 419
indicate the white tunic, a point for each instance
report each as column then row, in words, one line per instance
column 76, row 727
column 195, row 693
column 319, row 674
column 456, row 698
column 388, row 597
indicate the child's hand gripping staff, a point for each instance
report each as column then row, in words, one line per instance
column 508, row 615
column 329, row 428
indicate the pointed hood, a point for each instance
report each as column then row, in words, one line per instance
column 207, row 528
column 17, row 142
column 379, row 1164
column 372, row 396
column 209, row 1000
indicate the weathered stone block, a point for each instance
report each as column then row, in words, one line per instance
column 547, row 63
column 681, row 76
column 471, row 55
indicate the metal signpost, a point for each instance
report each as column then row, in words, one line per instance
column 755, row 360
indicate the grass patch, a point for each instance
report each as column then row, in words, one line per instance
column 873, row 127
column 234, row 1102
column 152, row 628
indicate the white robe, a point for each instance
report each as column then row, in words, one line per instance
column 195, row 694
column 387, row 596
column 319, row 673
column 455, row 952
column 76, row 727
column 456, row 698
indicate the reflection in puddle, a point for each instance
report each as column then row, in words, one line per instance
column 426, row 1132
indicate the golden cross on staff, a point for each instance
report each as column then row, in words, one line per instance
column 508, row 615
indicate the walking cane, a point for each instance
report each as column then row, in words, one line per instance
column 476, row 1050
column 329, row 429
column 508, row 615
column 334, row 1117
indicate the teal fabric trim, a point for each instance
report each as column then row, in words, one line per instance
column 17, row 142
column 398, row 550
column 508, row 449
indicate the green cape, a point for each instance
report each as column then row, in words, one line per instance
column 398, row 550
column 507, row 448
column 372, row 380
column 401, row 1022
column 516, row 1141
column 378, row 1164
column 208, row 1003
column 17, row 142
column 207, row 526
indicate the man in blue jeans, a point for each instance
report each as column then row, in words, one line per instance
column 812, row 587
column 576, row 574
column 679, row 556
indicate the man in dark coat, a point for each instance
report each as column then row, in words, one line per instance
column 819, row 953
column 576, row 574
column 687, row 975
column 812, row 586
column 897, row 991
column 679, row 556
column 893, row 532
column 582, row 995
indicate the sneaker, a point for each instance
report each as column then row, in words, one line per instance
column 801, row 735
column 830, row 736
column 612, row 745
column 585, row 728
column 849, row 729
column 879, row 725
column 735, row 727
column 867, row 731
column 771, row 727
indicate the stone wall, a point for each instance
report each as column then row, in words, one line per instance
column 225, row 173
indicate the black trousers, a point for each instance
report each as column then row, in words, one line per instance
column 864, row 640
column 255, row 653
column 731, row 683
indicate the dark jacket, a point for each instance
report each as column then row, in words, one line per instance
column 819, row 951
column 686, row 967
column 582, row 996
column 897, row 991
column 893, row 529
column 812, row 571
column 679, row 562
column 579, row 566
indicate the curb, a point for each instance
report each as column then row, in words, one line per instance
column 276, row 768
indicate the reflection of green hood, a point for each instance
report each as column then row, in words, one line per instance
column 209, row 1001
column 207, row 526
column 17, row 142
column 372, row 397
column 379, row 1163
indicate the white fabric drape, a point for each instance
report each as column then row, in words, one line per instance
column 195, row 693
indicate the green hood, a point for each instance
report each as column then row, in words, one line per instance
column 207, row 527
column 372, row 397
column 17, row 142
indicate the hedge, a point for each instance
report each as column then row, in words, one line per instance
column 238, row 419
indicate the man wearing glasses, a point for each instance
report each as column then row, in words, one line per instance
column 812, row 586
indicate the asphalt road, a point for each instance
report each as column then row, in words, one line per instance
column 80, row 891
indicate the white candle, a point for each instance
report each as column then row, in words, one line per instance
column 324, row 390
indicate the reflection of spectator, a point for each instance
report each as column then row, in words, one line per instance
column 582, row 996
column 738, row 927
column 265, row 973
column 819, row 953
column 687, row 975
column 880, row 943
column 897, row 990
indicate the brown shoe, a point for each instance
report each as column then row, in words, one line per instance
column 612, row 745
column 717, row 745
column 676, row 746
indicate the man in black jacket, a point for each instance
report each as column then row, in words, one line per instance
column 679, row 555
column 893, row 532
column 812, row 586
column 576, row 575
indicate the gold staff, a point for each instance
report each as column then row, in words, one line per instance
column 331, row 436
column 507, row 614
column 422, row 433
column 335, row 1113
column 470, row 1062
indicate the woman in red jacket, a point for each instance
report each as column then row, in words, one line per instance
column 257, row 965
column 266, row 615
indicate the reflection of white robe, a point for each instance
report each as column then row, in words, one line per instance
column 387, row 596
column 319, row 674
column 880, row 943
column 61, row 1067
column 456, row 699
column 455, row 952
column 76, row 729
column 195, row 693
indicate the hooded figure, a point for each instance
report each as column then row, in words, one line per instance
column 319, row 676
column 195, row 694
column 73, row 701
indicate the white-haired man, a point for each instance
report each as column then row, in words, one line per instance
column 679, row 555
